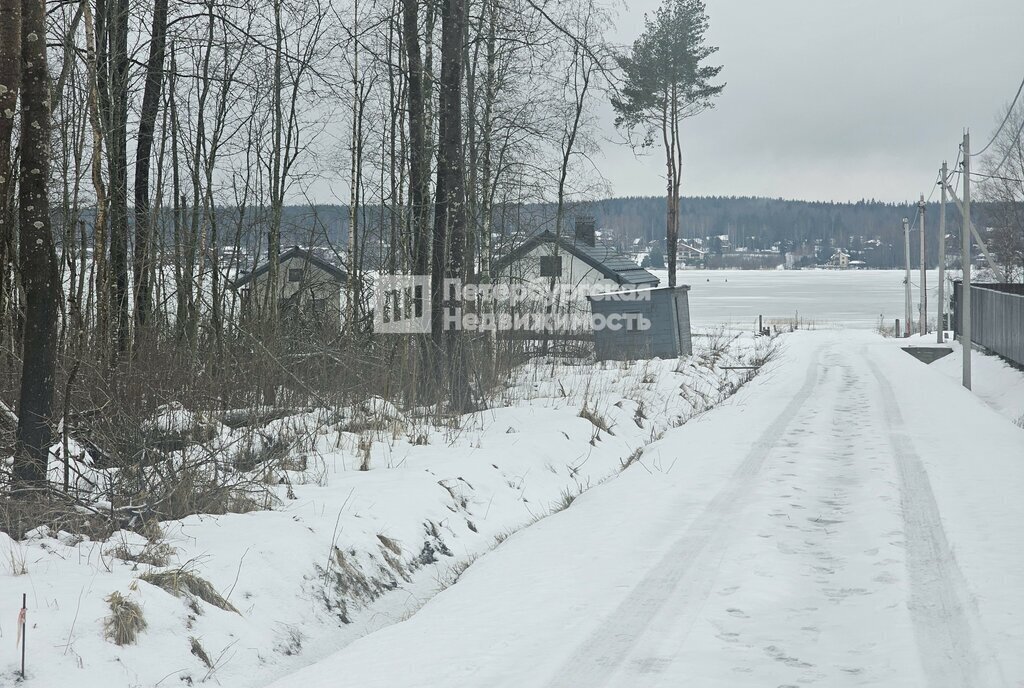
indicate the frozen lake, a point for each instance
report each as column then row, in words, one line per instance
column 829, row 298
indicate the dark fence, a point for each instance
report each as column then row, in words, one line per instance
column 997, row 318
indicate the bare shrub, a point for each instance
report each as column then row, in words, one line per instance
column 258, row 449
column 53, row 511
column 191, row 483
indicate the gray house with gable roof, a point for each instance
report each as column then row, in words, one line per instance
column 310, row 290
column 580, row 261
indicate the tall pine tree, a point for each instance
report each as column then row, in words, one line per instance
column 666, row 81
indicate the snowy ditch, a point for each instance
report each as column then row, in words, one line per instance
column 372, row 513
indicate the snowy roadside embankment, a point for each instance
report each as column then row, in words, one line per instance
column 853, row 520
column 993, row 380
column 368, row 525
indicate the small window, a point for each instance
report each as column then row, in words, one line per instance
column 551, row 266
column 295, row 274
column 319, row 307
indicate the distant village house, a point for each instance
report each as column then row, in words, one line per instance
column 309, row 290
column 580, row 260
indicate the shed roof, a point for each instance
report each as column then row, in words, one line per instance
column 294, row 252
column 602, row 257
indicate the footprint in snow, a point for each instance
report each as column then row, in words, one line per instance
column 779, row 656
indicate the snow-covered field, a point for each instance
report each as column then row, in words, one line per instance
column 855, row 299
column 852, row 518
column 346, row 551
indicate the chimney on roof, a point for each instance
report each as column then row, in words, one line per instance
column 585, row 230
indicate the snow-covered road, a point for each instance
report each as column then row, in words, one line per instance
column 851, row 518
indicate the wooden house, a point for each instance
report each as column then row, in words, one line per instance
column 579, row 260
column 310, row 290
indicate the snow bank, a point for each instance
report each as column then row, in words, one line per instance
column 347, row 551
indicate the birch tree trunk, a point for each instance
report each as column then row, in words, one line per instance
column 10, row 82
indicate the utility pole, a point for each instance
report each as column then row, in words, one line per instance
column 906, row 280
column 940, row 330
column 923, row 329
column 965, row 260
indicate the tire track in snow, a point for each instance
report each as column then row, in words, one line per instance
column 596, row 658
column 946, row 625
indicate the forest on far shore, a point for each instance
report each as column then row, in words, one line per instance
column 874, row 228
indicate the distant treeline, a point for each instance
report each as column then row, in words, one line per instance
column 871, row 229
column 758, row 223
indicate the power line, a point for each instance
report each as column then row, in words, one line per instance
column 1005, row 119
column 938, row 178
column 996, row 176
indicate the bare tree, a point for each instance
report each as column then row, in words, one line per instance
column 419, row 156
column 143, row 155
column 113, row 60
column 449, row 244
column 1001, row 184
column 10, row 83
column 38, row 257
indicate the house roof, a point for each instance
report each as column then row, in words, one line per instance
column 294, row 252
column 602, row 257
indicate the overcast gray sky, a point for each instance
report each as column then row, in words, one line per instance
column 837, row 99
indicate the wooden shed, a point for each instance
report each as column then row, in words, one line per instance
column 665, row 309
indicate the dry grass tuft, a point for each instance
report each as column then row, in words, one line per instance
column 632, row 458
column 565, row 500
column 16, row 559
column 181, row 581
column 125, row 621
column 198, row 651
column 502, row 536
column 392, row 545
column 156, row 554
column 456, row 571
column 595, row 418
